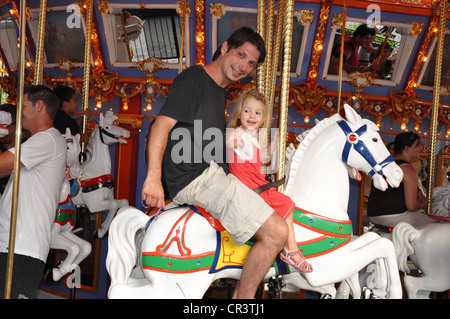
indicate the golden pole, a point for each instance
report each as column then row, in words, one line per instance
column 183, row 26
column 269, row 41
column 39, row 63
column 284, row 87
column 87, row 69
column 18, row 139
column 270, row 93
column 436, row 90
column 260, row 22
column 341, row 58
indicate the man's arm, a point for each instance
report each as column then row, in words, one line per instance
column 152, row 190
column 7, row 163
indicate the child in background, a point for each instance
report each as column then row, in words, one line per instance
column 246, row 155
column 381, row 67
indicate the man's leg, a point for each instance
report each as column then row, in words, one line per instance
column 270, row 240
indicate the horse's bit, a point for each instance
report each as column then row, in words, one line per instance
column 353, row 140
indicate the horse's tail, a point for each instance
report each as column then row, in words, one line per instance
column 402, row 236
column 122, row 252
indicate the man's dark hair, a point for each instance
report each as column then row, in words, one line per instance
column 363, row 30
column 242, row 35
column 42, row 93
column 64, row 94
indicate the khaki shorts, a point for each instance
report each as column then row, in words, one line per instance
column 240, row 210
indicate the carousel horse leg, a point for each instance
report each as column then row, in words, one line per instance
column 112, row 207
column 60, row 241
column 417, row 287
column 85, row 247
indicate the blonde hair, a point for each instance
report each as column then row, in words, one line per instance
column 235, row 121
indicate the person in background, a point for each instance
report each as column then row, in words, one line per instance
column 407, row 203
column 8, row 134
column 362, row 37
column 42, row 170
column 67, row 107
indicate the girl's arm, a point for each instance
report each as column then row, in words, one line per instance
column 235, row 141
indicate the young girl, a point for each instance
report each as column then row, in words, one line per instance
column 246, row 155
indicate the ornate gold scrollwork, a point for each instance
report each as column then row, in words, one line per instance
column 308, row 97
column 307, row 16
column 217, row 10
column 103, row 7
column 103, row 82
column 360, row 80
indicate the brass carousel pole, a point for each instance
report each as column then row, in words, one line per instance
column 341, row 57
column 87, row 69
column 272, row 79
column 269, row 43
column 284, row 87
column 39, row 63
column 436, row 90
column 12, row 234
column 183, row 12
column 260, row 23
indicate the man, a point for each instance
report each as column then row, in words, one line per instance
column 198, row 94
column 67, row 107
column 362, row 37
column 42, row 167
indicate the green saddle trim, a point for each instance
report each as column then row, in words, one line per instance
column 178, row 264
column 336, row 233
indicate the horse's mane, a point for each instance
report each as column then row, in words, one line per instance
column 305, row 140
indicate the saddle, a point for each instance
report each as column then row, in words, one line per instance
column 214, row 222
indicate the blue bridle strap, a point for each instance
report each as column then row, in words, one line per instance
column 354, row 141
column 103, row 131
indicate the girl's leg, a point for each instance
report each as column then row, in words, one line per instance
column 292, row 255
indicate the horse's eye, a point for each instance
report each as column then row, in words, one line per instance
column 375, row 139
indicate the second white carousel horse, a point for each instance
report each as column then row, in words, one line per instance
column 97, row 184
column 62, row 231
column 429, row 249
column 180, row 254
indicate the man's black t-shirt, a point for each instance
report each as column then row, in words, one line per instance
column 198, row 104
column 63, row 120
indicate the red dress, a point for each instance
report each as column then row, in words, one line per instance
column 249, row 172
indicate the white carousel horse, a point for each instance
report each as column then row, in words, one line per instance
column 180, row 254
column 441, row 201
column 97, row 184
column 62, row 231
column 429, row 249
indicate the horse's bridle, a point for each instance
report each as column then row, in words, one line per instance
column 353, row 140
column 103, row 131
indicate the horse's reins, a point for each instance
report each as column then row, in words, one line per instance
column 354, row 142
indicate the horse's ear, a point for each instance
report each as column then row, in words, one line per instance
column 77, row 138
column 101, row 119
column 68, row 132
column 351, row 114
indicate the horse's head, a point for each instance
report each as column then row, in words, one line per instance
column 365, row 151
column 73, row 153
column 109, row 133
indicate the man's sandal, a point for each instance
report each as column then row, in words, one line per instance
column 301, row 265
